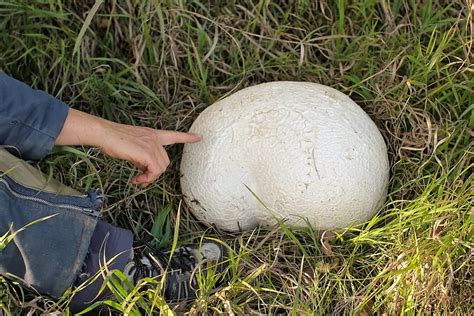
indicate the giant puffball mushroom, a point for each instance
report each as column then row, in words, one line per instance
column 298, row 151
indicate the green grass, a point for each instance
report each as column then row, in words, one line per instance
column 409, row 64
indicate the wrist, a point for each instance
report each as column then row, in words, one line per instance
column 84, row 130
column 103, row 133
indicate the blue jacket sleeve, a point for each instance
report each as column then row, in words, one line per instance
column 30, row 120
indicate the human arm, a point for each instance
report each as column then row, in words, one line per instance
column 33, row 121
column 141, row 146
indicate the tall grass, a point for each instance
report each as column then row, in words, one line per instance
column 409, row 64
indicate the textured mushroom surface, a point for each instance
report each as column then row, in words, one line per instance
column 307, row 151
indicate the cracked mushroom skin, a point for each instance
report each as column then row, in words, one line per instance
column 298, row 151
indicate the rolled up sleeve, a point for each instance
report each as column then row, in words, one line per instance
column 30, row 120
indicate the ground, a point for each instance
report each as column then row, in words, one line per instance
column 408, row 64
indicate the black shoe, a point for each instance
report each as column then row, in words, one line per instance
column 180, row 271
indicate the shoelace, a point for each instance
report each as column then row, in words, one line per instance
column 141, row 270
column 182, row 261
column 182, row 258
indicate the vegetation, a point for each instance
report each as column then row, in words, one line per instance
column 408, row 64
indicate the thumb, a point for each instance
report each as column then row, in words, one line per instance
column 172, row 137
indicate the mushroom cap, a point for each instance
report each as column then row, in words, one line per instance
column 297, row 151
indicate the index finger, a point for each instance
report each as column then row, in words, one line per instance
column 173, row 137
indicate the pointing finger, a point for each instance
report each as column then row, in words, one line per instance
column 172, row 137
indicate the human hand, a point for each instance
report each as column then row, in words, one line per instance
column 141, row 146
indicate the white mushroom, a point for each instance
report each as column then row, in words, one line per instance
column 307, row 151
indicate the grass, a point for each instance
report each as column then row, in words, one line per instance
column 408, row 64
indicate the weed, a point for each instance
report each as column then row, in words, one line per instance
column 408, row 64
